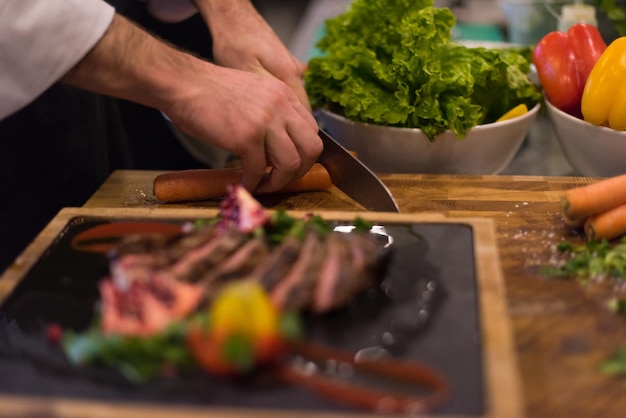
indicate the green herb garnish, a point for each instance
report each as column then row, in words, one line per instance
column 616, row 364
column 138, row 358
column 282, row 225
column 592, row 259
column 361, row 225
column 618, row 306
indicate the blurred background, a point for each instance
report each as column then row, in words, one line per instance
column 298, row 22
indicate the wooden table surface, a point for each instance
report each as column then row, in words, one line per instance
column 562, row 330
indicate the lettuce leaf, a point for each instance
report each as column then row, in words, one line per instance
column 392, row 62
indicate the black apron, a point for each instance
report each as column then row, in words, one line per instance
column 54, row 153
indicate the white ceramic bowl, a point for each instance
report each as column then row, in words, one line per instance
column 486, row 149
column 594, row 151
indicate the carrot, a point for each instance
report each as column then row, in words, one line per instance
column 205, row 184
column 317, row 178
column 581, row 202
column 606, row 225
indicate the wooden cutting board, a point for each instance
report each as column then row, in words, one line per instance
column 501, row 384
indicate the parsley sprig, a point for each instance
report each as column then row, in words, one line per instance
column 590, row 260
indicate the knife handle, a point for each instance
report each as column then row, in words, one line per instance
column 206, row 184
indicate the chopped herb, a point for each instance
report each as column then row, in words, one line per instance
column 595, row 259
column 618, row 306
column 291, row 327
column 201, row 223
column 283, row 225
column 239, row 351
column 361, row 225
column 616, row 364
column 591, row 260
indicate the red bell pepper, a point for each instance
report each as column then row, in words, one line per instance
column 564, row 61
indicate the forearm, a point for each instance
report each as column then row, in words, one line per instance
column 131, row 64
column 243, row 39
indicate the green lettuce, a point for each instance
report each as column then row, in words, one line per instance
column 392, row 62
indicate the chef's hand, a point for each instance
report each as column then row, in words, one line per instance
column 242, row 39
column 256, row 117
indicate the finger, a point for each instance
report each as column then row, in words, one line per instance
column 254, row 166
column 308, row 144
column 304, row 113
column 285, row 160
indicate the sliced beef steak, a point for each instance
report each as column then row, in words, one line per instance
column 274, row 269
column 238, row 265
column 319, row 273
column 353, row 264
column 295, row 290
column 192, row 266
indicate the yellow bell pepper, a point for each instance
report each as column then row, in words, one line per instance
column 244, row 330
column 604, row 96
column 517, row 111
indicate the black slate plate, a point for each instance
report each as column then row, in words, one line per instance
column 429, row 260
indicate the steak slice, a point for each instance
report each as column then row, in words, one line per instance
column 154, row 242
column 191, row 240
column 238, row 265
column 295, row 291
column 142, row 253
column 193, row 265
column 352, row 265
column 275, row 267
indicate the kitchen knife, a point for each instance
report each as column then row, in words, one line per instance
column 353, row 177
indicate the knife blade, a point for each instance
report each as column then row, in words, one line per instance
column 353, row 177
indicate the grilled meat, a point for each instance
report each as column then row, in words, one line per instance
column 295, row 290
column 319, row 273
column 271, row 271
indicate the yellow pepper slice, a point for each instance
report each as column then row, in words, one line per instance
column 243, row 306
column 604, row 101
column 518, row 110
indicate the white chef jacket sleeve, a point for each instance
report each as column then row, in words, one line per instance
column 40, row 40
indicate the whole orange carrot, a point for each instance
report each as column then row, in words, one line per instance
column 579, row 203
column 607, row 225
